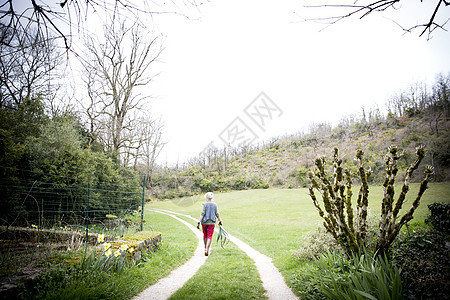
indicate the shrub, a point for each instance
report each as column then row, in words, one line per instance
column 439, row 216
column 425, row 262
column 320, row 241
column 315, row 243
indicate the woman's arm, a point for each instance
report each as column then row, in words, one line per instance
column 218, row 216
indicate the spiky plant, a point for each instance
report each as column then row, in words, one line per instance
column 391, row 222
column 339, row 219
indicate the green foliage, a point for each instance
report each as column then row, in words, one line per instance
column 16, row 126
column 439, row 216
column 46, row 167
column 315, row 243
column 319, row 241
column 302, row 176
column 223, row 237
column 103, row 262
column 425, row 260
column 363, row 276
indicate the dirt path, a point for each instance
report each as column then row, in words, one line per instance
column 273, row 281
column 166, row 286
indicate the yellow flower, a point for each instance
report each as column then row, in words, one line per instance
column 117, row 253
column 117, row 237
column 131, row 250
column 100, row 238
column 108, row 253
column 124, row 247
column 33, row 226
column 106, row 246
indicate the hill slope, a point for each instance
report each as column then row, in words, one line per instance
column 285, row 161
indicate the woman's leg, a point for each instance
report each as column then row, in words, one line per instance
column 208, row 244
column 205, row 234
column 209, row 234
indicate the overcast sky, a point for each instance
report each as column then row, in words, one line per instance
column 215, row 67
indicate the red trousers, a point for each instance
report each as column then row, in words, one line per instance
column 208, row 231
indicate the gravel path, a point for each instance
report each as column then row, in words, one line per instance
column 166, row 286
column 272, row 280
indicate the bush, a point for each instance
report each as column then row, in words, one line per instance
column 315, row 243
column 425, row 261
column 358, row 276
column 320, row 241
column 439, row 216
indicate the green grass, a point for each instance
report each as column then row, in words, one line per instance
column 272, row 221
column 227, row 274
column 176, row 248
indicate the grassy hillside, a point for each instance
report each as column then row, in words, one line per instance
column 284, row 162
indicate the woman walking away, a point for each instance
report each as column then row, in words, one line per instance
column 208, row 219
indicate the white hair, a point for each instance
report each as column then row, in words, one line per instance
column 209, row 195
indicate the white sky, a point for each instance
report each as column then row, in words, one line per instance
column 215, row 66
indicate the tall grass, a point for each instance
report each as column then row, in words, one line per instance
column 104, row 263
column 361, row 276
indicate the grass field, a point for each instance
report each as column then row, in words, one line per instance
column 273, row 221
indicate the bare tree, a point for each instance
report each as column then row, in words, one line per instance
column 117, row 68
column 363, row 8
column 60, row 17
column 151, row 144
column 27, row 67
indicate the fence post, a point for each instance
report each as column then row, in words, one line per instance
column 87, row 213
column 143, row 199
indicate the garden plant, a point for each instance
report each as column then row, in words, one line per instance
column 339, row 220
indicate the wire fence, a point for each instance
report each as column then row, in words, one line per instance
column 30, row 198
